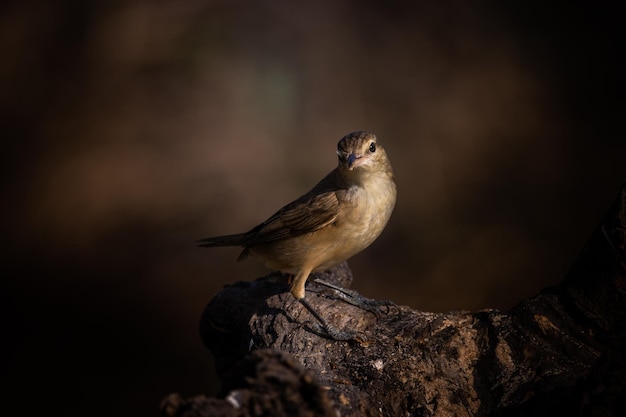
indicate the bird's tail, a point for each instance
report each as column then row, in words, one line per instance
column 229, row 240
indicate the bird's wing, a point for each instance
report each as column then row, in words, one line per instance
column 304, row 215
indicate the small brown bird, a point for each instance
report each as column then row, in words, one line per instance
column 342, row 215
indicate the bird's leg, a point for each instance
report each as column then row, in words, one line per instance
column 297, row 283
column 330, row 330
column 297, row 290
column 356, row 299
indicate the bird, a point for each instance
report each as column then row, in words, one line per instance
column 338, row 218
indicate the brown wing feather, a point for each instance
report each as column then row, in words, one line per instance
column 304, row 215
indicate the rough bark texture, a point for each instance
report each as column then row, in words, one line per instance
column 559, row 353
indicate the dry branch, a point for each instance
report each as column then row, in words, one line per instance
column 558, row 353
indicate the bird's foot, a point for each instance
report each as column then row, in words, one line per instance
column 326, row 327
column 334, row 333
column 354, row 298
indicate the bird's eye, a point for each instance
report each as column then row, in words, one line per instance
column 373, row 147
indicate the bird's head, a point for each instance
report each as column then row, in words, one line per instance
column 360, row 153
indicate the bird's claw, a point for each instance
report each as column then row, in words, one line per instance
column 354, row 298
column 334, row 333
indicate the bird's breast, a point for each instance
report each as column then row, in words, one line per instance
column 363, row 215
column 370, row 208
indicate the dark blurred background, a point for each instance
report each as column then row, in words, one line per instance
column 132, row 128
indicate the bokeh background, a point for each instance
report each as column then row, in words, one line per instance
column 132, row 128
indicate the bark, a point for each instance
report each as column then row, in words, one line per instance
column 561, row 352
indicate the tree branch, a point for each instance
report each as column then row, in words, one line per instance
column 558, row 353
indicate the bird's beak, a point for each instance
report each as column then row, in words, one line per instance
column 353, row 160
